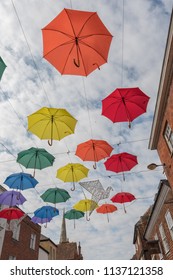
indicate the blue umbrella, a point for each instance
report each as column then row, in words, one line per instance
column 46, row 212
column 20, row 181
column 11, row 198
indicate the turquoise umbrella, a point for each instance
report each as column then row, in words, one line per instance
column 2, row 67
column 74, row 214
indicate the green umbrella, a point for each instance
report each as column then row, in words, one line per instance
column 35, row 158
column 74, row 214
column 55, row 195
column 2, row 67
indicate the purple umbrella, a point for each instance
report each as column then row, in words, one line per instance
column 38, row 220
column 12, row 198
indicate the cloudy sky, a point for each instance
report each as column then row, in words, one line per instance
column 30, row 82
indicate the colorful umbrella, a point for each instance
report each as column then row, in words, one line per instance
column 12, row 198
column 45, row 214
column 93, row 150
column 74, row 214
column 76, row 42
column 123, row 197
column 85, row 205
column 38, row 220
column 51, row 123
column 2, row 67
column 124, row 104
column 21, row 181
column 35, row 158
column 11, row 214
column 55, row 195
column 121, row 162
column 106, row 208
column 72, row 172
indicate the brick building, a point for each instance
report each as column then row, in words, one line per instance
column 161, row 137
column 153, row 233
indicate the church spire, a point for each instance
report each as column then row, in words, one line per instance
column 63, row 236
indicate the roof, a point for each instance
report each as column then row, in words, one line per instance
column 164, row 88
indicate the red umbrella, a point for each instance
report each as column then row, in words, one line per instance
column 125, row 104
column 76, row 42
column 106, row 208
column 11, row 213
column 121, row 162
column 93, row 150
column 123, row 197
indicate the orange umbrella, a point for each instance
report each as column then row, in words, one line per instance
column 93, row 150
column 106, row 208
column 76, row 42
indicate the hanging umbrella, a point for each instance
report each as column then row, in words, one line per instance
column 35, row 158
column 125, row 104
column 38, row 220
column 74, row 214
column 76, row 42
column 93, row 150
column 72, row 172
column 51, row 123
column 11, row 198
column 106, row 208
column 2, row 67
column 55, row 195
column 121, row 162
column 85, row 205
column 96, row 189
column 123, row 197
column 21, row 181
column 11, row 214
column 46, row 212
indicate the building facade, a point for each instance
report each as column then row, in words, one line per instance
column 153, row 233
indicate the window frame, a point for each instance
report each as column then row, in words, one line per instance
column 33, row 241
column 164, row 239
column 168, row 136
column 169, row 221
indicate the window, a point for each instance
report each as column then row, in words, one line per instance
column 169, row 221
column 12, row 257
column 32, row 241
column 164, row 239
column 15, row 229
column 168, row 135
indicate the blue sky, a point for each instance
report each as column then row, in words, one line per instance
column 30, row 82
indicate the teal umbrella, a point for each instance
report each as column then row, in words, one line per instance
column 74, row 214
column 55, row 195
column 2, row 67
column 35, row 158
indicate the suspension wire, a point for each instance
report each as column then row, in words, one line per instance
column 39, row 77
column 122, row 48
column 11, row 154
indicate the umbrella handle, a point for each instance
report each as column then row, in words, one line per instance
column 94, row 165
column 124, row 209
column 50, row 142
column 72, row 189
column 77, row 64
column 97, row 65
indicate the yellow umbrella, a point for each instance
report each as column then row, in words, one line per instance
column 51, row 123
column 72, row 172
column 85, row 205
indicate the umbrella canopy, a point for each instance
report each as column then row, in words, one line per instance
column 72, row 172
column 51, row 123
column 85, row 205
column 123, row 197
column 106, row 208
column 74, row 214
column 2, row 67
column 93, row 150
column 125, row 104
column 76, row 42
column 55, row 195
column 12, row 198
column 35, row 158
column 11, row 214
column 46, row 212
column 38, row 220
column 121, row 162
column 21, row 181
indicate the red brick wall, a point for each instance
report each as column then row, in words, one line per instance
column 21, row 248
column 162, row 148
